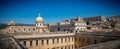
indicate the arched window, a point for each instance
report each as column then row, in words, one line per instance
column 29, row 29
column 24, row 29
column 33, row 28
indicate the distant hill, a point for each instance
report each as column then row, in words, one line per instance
column 2, row 26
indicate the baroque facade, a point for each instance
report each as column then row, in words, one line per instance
column 38, row 27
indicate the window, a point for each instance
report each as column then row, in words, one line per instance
column 24, row 43
column 65, row 39
column 37, row 24
column 29, row 29
column 61, row 47
column 76, row 31
column 36, row 42
column 95, row 41
column 87, row 40
column 58, row 29
column 68, row 30
column 33, row 29
column 83, row 40
column 75, row 46
column 24, row 29
column 57, row 40
column 47, row 41
column 40, row 24
column 53, row 41
column 69, row 39
column 42, row 42
column 61, row 40
column 30, row 43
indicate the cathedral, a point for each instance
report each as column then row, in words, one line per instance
column 38, row 27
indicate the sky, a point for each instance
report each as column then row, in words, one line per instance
column 52, row 11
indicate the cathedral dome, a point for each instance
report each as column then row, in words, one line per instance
column 39, row 19
column 11, row 23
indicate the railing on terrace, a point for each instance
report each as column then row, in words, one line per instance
column 116, row 34
column 106, row 45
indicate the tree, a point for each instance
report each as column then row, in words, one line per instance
column 113, row 24
column 3, row 26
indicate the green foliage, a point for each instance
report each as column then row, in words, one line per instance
column 113, row 24
column 2, row 26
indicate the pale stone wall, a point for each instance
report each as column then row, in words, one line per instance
column 63, row 40
column 27, row 29
column 46, row 41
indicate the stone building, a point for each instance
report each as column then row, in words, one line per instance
column 90, row 38
column 68, row 34
column 71, row 25
column 117, row 19
column 63, row 40
column 47, row 41
column 97, row 23
column 38, row 27
column 95, row 18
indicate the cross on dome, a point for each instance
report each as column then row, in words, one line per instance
column 39, row 14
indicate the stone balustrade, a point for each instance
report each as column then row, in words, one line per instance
column 106, row 45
